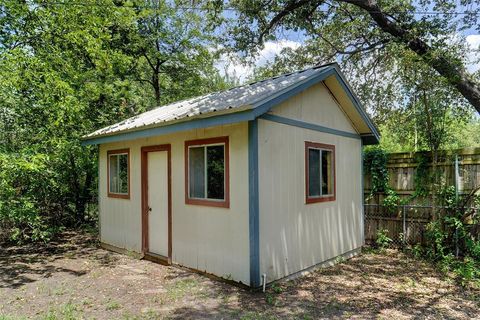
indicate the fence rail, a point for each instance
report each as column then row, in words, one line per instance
column 459, row 168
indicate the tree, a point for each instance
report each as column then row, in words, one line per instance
column 172, row 45
column 68, row 69
column 352, row 27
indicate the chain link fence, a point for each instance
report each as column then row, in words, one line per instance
column 405, row 225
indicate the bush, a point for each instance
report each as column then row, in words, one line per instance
column 40, row 194
column 24, row 182
column 451, row 234
column 375, row 164
column 383, row 241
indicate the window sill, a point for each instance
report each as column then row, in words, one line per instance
column 208, row 203
column 118, row 196
column 319, row 199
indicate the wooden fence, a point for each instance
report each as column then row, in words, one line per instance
column 406, row 224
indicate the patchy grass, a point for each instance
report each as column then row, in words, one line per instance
column 74, row 279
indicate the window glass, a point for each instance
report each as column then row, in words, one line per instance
column 327, row 173
column 207, row 172
column 319, row 172
column 215, row 172
column 118, row 173
column 314, row 172
column 197, row 172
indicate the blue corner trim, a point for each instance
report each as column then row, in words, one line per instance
column 253, row 216
column 264, row 106
column 181, row 126
column 362, row 194
column 310, row 126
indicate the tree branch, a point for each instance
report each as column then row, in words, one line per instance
column 289, row 8
column 454, row 73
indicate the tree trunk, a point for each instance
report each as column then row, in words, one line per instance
column 435, row 215
column 156, row 87
column 454, row 73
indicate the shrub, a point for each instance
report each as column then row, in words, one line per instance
column 383, row 241
column 375, row 164
column 24, row 182
column 41, row 193
column 450, row 235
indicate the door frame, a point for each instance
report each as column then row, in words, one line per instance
column 144, row 212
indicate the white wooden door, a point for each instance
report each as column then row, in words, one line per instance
column 157, row 162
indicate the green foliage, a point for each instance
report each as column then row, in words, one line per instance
column 68, row 70
column 375, row 165
column 451, row 234
column 392, row 200
column 422, row 178
column 382, row 240
column 25, row 183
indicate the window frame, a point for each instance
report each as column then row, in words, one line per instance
column 321, row 198
column 112, row 153
column 225, row 203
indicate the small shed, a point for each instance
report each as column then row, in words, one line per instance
column 262, row 180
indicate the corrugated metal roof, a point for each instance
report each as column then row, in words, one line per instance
column 232, row 100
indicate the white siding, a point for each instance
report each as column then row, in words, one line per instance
column 295, row 235
column 209, row 239
column 315, row 105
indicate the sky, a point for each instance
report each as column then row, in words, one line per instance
column 231, row 65
column 234, row 68
column 473, row 41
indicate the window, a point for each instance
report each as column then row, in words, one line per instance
column 206, row 172
column 319, row 172
column 118, row 174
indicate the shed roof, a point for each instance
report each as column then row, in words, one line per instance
column 241, row 103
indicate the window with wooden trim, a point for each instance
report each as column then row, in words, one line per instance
column 319, row 172
column 207, row 172
column 118, row 173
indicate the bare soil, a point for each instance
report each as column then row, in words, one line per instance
column 73, row 279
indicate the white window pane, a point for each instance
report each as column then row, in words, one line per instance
column 118, row 173
column 313, row 172
column 197, row 172
column 113, row 174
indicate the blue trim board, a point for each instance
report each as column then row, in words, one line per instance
column 181, row 126
column 310, row 126
column 253, row 215
column 362, row 195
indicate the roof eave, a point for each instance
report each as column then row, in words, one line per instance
column 361, row 110
column 197, row 123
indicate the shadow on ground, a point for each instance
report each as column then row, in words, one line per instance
column 20, row 265
column 74, row 277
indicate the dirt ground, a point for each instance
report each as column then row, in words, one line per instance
column 74, row 279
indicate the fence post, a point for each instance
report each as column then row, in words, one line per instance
column 404, row 225
column 457, row 187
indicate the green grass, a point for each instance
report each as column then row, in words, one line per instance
column 68, row 311
column 6, row 317
column 181, row 288
column 113, row 305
